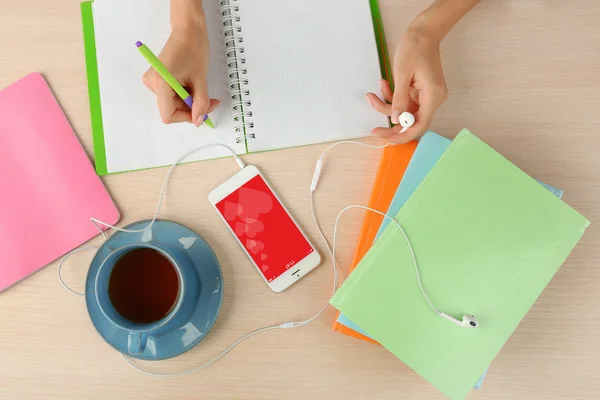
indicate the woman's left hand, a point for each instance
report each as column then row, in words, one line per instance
column 420, row 86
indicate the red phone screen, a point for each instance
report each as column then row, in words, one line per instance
column 264, row 228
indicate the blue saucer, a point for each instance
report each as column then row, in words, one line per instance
column 188, row 333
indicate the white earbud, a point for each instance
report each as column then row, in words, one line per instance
column 406, row 120
column 468, row 321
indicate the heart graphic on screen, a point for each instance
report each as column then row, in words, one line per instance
column 254, row 246
column 252, row 228
column 240, row 228
column 255, row 203
column 264, row 268
column 232, row 210
column 263, row 257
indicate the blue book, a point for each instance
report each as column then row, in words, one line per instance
column 426, row 155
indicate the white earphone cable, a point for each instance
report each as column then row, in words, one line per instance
column 238, row 160
column 97, row 223
column 213, row 360
column 410, row 248
column 330, row 249
column 65, row 258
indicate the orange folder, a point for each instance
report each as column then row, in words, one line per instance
column 393, row 163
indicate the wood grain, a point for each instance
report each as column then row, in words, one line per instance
column 523, row 75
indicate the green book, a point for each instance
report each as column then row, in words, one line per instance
column 488, row 239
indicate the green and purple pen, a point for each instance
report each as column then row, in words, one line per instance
column 169, row 78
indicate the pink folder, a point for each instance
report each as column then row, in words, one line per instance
column 48, row 187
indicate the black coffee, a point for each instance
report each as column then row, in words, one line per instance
column 143, row 286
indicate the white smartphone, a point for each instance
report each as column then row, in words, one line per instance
column 277, row 247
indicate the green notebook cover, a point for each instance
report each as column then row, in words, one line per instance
column 91, row 66
column 91, row 62
column 488, row 239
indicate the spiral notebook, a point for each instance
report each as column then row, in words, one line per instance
column 288, row 73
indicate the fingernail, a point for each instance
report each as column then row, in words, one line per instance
column 395, row 117
column 369, row 99
column 199, row 121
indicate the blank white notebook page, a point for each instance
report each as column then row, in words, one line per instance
column 310, row 64
column 134, row 134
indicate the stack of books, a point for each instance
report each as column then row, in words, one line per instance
column 488, row 239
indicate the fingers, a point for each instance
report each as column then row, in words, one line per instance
column 384, row 107
column 431, row 99
column 401, row 98
column 201, row 101
column 377, row 104
column 180, row 116
column 148, row 79
column 385, row 132
column 172, row 109
column 386, row 90
column 422, row 104
column 423, row 119
column 214, row 103
column 393, row 134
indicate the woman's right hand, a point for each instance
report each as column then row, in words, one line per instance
column 186, row 55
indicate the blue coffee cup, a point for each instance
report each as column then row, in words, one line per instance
column 187, row 296
column 195, row 309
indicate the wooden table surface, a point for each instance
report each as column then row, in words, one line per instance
column 522, row 75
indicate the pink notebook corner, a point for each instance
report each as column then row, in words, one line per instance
column 49, row 188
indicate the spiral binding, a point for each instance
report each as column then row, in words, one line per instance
column 237, row 72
